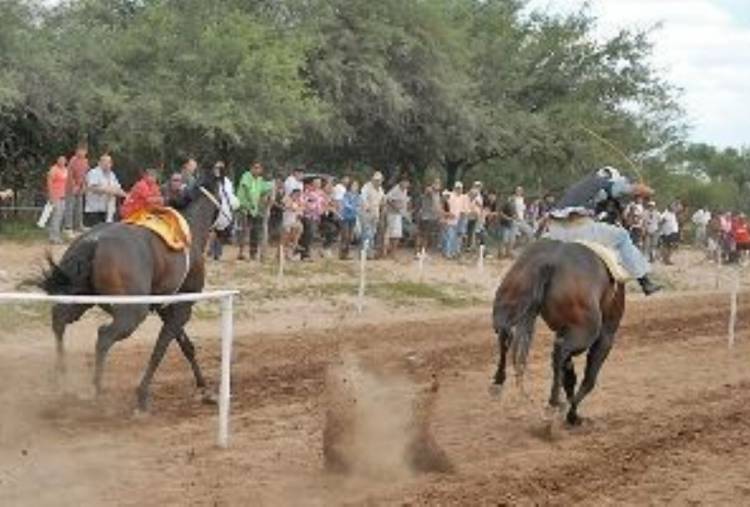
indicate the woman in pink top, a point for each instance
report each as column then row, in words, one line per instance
column 57, row 178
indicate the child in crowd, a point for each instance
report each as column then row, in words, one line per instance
column 291, row 222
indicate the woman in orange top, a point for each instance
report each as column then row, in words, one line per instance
column 144, row 194
column 56, row 180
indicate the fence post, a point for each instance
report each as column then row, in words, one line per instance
column 480, row 261
column 733, row 307
column 227, row 334
column 421, row 257
column 362, row 262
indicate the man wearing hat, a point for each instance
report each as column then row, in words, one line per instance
column 651, row 221
column 452, row 222
column 573, row 218
column 372, row 202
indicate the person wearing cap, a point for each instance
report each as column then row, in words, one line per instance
column 573, row 218
column 428, row 214
column 651, row 222
column 294, row 181
column 475, row 222
column 520, row 226
column 372, row 202
column 397, row 201
column 455, row 209
column 701, row 219
column 669, row 233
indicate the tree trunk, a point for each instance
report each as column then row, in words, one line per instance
column 453, row 169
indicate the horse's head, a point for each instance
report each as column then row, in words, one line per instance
column 203, row 197
column 210, row 180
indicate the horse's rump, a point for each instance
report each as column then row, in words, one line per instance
column 609, row 259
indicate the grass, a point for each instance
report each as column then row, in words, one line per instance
column 401, row 293
column 21, row 231
column 14, row 317
column 406, row 292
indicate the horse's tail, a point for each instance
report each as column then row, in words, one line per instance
column 516, row 324
column 73, row 274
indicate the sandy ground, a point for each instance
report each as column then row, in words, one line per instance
column 403, row 399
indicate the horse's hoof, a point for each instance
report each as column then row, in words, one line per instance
column 140, row 413
column 495, row 391
column 573, row 420
column 209, row 397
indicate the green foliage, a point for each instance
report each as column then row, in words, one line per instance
column 465, row 88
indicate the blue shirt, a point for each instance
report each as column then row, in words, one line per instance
column 350, row 206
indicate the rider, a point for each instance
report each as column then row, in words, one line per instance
column 573, row 218
column 144, row 194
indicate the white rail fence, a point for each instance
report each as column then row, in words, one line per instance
column 227, row 332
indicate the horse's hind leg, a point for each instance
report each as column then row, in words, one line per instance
column 594, row 361
column 569, row 379
column 62, row 316
column 125, row 320
column 561, row 357
column 504, row 338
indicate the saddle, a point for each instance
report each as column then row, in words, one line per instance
column 165, row 222
column 609, row 258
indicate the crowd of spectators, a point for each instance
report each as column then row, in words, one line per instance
column 723, row 235
column 314, row 215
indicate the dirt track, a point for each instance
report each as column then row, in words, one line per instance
column 669, row 421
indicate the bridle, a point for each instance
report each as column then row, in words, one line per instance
column 215, row 202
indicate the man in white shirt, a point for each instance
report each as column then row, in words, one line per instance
column 102, row 191
column 634, row 213
column 670, row 234
column 340, row 189
column 397, row 201
column 294, row 182
column 701, row 219
column 520, row 225
column 372, row 201
column 651, row 225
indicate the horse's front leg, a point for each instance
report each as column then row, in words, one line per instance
column 597, row 355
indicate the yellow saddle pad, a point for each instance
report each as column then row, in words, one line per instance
column 609, row 258
column 166, row 222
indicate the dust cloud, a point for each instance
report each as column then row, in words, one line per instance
column 377, row 425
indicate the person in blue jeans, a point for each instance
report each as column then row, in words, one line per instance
column 573, row 218
column 350, row 205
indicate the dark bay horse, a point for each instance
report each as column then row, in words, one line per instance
column 124, row 259
column 573, row 291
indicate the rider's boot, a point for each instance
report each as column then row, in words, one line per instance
column 648, row 286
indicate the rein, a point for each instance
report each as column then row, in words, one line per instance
column 214, row 201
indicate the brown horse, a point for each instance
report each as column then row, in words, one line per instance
column 124, row 259
column 577, row 297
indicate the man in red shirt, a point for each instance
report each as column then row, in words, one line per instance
column 144, row 194
column 741, row 232
column 75, row 186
